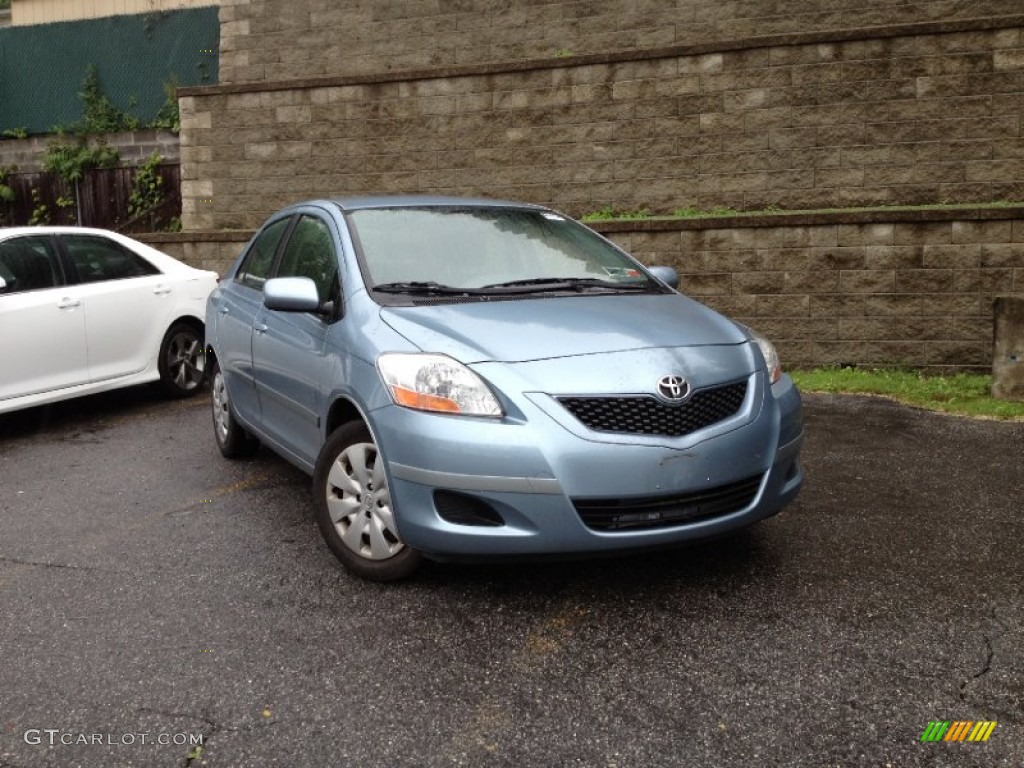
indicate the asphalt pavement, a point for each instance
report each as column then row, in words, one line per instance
column 155, row 595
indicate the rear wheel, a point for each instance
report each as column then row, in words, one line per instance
column 232, row 439
column 353, row 507
column 181, row 362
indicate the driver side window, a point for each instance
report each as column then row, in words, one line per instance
column 310, row 253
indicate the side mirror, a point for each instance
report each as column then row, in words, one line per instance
column 667, row 275
column 291, row 294
column 3, row 285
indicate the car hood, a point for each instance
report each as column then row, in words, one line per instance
column 544, row 328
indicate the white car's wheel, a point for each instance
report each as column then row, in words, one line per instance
column 181, row 362
column 354, row 509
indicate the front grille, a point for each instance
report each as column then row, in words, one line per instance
column 646, row 415
column 663, row 511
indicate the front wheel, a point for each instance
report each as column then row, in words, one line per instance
column 232, row 439
column 181, row 362
column 353, row 507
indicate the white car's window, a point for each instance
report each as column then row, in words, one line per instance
column 310, row 253
column 29, row 264
column 255, row 268
column 97, row 259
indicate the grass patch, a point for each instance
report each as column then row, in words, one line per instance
column 965, row 394
column 707, row 213
column 690, row 212
column 610, row 214
column 696, row 213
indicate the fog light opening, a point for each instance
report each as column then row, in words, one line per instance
column 461, row 509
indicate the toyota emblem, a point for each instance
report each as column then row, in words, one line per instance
column 674, row 388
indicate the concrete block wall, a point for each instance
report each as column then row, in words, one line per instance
column 215, row 251
column 26, row 155
column 842, row 288
column 267, row 40
column 633, row 104
column 915, row 288
column 832, row 120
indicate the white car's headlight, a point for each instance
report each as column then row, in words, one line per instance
column 771, row 357
column 437, row 383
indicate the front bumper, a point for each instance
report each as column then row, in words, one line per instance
column 533, row 474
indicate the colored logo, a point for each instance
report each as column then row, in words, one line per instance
column 958, row 730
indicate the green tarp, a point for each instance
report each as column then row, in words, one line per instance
column 42, row 66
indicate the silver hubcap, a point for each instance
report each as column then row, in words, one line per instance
column 220, row 407
column 185, row 361
column 359, row 503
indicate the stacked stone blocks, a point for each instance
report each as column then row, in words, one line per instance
column 922, row 118
column 630, row 105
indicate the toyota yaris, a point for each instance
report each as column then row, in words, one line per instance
column 475, row 379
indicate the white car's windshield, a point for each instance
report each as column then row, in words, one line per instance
column 487, row 250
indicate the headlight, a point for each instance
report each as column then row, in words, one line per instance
column 436, row 383
column 771, row 357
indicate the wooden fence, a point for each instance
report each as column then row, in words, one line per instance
column 101, row 201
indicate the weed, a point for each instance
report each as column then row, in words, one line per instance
column 609, row 214
column 693, row 212
column 966, row 394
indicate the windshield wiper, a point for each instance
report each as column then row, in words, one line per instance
column 513, row 287
column 428, row 288
column 580, row 284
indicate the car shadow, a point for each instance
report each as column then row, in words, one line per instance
column 722, row 562
column 81, row 412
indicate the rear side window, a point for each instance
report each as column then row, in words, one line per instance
column 29, row 264
column 259, row 260
column 97, row 259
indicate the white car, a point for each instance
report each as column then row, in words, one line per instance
column 87, row 310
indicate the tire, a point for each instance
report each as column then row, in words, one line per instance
column 181, row 363
column 232, row 439
column 353, row 507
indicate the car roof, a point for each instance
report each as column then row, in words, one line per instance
column 54, row 230
column 164, row 261
column 421, row 201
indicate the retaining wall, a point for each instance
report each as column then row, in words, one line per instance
column 922, row 113
column 878, row 288
column 632, row 104
column 134, row 147
column 268, row 40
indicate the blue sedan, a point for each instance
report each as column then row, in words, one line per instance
column 470, row 379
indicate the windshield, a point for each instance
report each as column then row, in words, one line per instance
column 487, row 251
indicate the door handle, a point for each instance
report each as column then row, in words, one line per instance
column 161, row 290
column 260, row 328
column 67, row 303
column 223, row 310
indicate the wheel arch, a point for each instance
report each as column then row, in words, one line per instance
column 344, row 411
column 211, row 354
column 347, row 415
column 188, row 319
